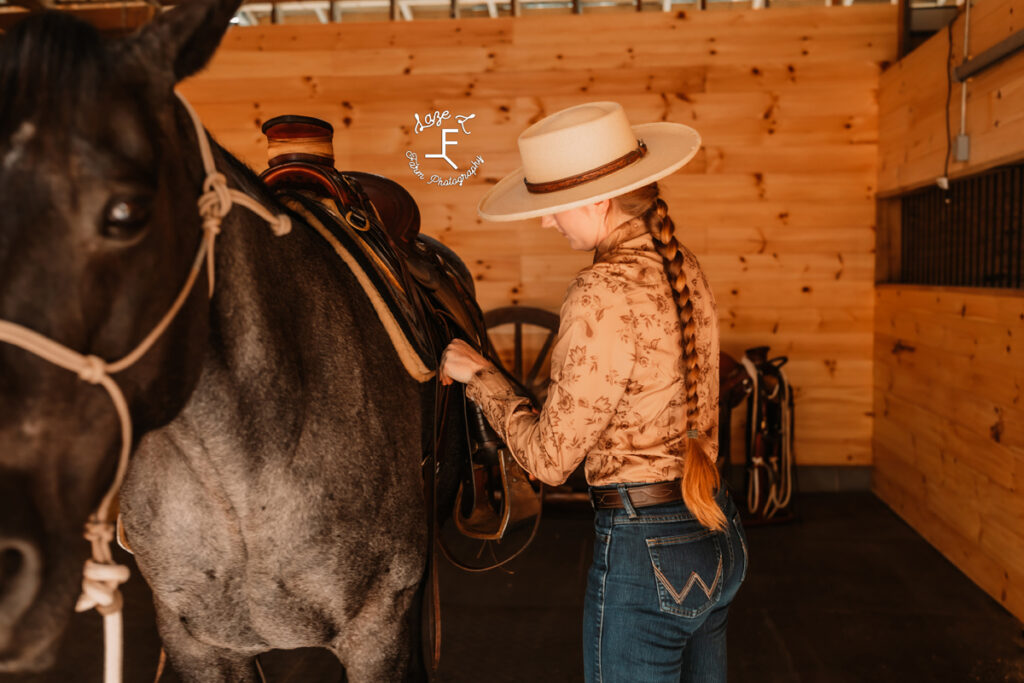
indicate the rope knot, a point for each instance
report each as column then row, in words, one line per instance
column 216, row 197
column 211, row 224
column 93, row 369
column 100, row 587
column 97, row 531
column 101, row 577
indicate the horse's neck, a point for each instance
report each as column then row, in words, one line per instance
column 237, row 311
column 240, row 314
column 252, row 293
column 248, row 401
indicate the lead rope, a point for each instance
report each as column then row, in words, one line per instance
column 102, row 576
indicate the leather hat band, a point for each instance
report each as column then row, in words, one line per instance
column 580, row 178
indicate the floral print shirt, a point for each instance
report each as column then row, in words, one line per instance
column 617, row 392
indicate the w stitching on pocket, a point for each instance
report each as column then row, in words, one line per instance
column 673, row 601
column 679, row 596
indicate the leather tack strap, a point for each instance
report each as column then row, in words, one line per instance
column 594, row 173
column 641, row 496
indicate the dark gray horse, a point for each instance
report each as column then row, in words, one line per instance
column 274, row 499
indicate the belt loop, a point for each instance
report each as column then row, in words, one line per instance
column 590, row 497
column 627, row 502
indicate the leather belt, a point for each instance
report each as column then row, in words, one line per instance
column 640, row 496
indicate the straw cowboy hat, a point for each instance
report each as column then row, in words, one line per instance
column 582, row 155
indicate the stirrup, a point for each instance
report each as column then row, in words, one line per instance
column 519, row 502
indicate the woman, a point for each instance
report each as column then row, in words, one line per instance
column 634, row 391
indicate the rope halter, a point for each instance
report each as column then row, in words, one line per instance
column 102, row 577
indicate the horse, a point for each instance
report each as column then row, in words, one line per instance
column 274, row 498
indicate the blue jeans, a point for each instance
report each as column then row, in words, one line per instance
column 658, row 594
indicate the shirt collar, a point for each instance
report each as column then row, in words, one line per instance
column 630, row 229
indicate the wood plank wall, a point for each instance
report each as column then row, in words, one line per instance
column 912, row 99
column 949, row 367
column 949, row 426
column 778, row 205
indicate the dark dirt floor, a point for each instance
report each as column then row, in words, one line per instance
column 847, row 593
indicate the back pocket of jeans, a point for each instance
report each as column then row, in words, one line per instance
column 688, row 571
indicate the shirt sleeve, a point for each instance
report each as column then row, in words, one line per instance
column 591, row 363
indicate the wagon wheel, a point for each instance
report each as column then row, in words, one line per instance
column 532, row 335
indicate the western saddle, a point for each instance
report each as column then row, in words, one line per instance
column 426, row 289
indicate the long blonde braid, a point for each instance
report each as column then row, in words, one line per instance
column 700, row 476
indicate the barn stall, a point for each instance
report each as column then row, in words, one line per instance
column 857, row 207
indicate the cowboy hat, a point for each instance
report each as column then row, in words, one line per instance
column 582, row 155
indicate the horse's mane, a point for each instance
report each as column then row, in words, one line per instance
column 246, row 177
column 51, row 66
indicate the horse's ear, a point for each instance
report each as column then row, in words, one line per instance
column 185, row 37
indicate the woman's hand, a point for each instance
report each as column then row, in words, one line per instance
column 459, row 362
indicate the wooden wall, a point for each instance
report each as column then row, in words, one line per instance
column 949, row 426
column 912, row 98
column 778, row 205
column 949, row 365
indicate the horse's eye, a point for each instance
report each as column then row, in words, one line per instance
column 125, row 217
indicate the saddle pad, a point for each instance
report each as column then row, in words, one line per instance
column 379, row 280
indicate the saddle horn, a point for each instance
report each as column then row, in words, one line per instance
column 299, row 138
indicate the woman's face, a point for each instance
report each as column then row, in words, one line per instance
column 584, row 226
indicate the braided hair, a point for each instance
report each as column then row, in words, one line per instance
column 700, row 476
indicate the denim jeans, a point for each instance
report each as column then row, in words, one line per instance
column 658, row 594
